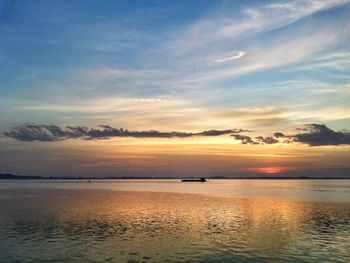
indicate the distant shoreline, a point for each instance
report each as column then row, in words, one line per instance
column 37, row 177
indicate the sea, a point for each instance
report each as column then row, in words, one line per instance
column 172, row 221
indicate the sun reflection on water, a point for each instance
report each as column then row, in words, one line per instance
column 112, row 226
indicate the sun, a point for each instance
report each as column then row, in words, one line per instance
column 270, row 170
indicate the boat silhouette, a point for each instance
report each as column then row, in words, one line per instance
column 202, row 179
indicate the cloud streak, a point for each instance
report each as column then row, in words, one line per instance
column 49, row 133
column 253, row 20
column 311, row 135
column 234, row 56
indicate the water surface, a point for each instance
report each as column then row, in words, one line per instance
column 170, row 221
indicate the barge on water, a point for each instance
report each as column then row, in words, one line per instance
column 202, row 179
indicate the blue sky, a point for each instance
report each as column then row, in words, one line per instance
column 188, row 66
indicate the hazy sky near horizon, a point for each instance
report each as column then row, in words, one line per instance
column 271, row 78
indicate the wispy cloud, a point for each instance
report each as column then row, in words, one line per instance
column 234, row 56
column 272, row 55
column 102, row 104
column 257, row 117
column 244, row 42
column 332, row 61
column 252, row 20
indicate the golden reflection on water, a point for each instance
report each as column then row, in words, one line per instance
column 114, row 226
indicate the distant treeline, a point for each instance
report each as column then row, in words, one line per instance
column 7, row 176
column 15, row 177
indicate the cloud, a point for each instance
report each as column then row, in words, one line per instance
column 334, row 61
column 220, row 132
column 226, row 27
column 314, row 135
column 215, row 37
column 256, row 117
column 244, row 139
column 38, row 133
column 234, row 56
column 101, row 104
column 320, row 135
column 266, row 140
column 255, row 140
column 41, row 132
column 278, row 135
column 271, row 55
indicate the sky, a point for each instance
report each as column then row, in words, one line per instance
column 175, row 88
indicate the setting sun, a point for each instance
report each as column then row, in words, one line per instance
column 270, row 170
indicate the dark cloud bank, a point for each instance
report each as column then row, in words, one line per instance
column 320, row 134
column 311, row 134
column 50, row 133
